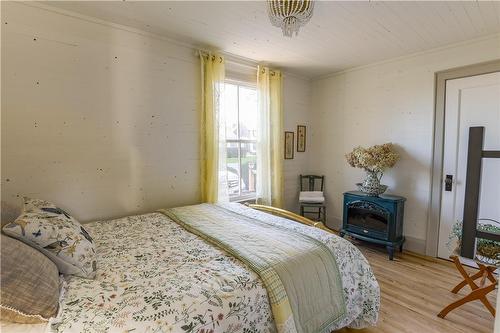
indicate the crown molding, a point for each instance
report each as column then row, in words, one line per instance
column 240, row 60
column 409, row 56
column 95, row 20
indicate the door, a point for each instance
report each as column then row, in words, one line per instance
column 470, row 101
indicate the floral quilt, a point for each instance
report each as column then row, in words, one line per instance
column 154, row 276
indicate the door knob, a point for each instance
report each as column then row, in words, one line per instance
column 448, row 183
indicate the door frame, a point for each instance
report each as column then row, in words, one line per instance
column 440, row 78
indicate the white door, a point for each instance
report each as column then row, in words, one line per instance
column 471, row 101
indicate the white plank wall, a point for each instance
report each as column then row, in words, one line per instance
column 391, row 101
column 297, row 111
column 100, row 120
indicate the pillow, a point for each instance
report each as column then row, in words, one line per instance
column 35, row 205
column 29, row 284
column 58, row 235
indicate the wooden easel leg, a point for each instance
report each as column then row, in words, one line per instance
column 464, row 282
column 464, row 274
column 479, row 294
column 485, row 301
column 489, row 270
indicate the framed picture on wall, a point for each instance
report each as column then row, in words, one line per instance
column 301, row 138
column 289, row 145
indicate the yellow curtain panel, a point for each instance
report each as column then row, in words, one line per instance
column 270, row 144
column 212, row 86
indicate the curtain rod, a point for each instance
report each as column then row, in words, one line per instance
column 240, row 61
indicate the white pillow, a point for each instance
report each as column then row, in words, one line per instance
column 56, row 234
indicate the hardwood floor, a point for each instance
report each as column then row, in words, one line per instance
column 414, row 289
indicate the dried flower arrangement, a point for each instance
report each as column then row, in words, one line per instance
column 375, row 159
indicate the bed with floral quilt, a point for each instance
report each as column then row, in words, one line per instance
column 153, row 275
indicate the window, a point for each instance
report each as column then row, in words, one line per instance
column 241, row 140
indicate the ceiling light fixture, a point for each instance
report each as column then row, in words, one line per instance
column 290, row 15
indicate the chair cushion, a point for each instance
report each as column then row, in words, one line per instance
column 58, row 235
column 311, row 197
column 29, row 284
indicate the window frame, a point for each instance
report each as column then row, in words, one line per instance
column 240, row 197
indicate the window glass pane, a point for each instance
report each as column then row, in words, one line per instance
column 240, row 103
column 231, row 110
column 248, row 168
column 248, row 113
column 233, row 169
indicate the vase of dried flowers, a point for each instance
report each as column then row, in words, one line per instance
column 374, row 160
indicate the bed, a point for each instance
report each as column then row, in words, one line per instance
column 155, row 276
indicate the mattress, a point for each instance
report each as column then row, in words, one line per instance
column 154, row 276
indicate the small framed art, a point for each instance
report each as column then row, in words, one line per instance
column 289, row 145
column 301, row 138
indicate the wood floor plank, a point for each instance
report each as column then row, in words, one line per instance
column 414, row 288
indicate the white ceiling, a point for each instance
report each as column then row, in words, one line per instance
column 340, row 35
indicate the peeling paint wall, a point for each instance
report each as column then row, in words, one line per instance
column 104, row 121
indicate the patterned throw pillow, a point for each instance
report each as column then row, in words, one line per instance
column 57, row 235
column 35, row 205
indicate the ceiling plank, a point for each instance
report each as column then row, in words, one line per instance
column 340, row 35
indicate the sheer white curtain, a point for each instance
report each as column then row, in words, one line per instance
column 270, row 148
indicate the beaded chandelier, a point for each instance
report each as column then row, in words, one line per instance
column 290, row 15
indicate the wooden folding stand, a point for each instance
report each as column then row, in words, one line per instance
column 478, row 292
column 470, row 231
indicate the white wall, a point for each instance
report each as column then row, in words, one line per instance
column 391, row 101
column 100, row 119
column 296, row 105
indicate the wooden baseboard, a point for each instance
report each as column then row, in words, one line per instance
column 333, row 222
column 416, row 245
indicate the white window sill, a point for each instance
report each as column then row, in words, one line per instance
column 243, row 199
